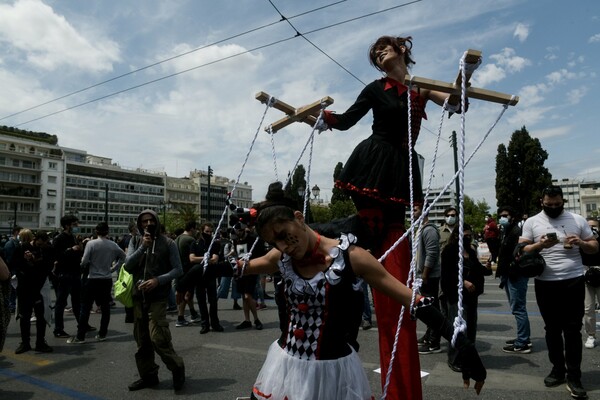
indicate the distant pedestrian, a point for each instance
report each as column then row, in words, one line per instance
column 592, row 288
column 99, row 257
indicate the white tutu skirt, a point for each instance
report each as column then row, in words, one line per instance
column 283, row 377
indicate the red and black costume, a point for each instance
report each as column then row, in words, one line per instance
column 376, row 176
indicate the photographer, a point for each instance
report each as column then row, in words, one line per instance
column 154, row 262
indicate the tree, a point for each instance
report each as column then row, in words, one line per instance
column 520, row 173
column 338, row 194
column 475, row 213
column 342, row 209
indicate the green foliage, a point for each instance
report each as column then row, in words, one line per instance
column 320, row 213
column 338, row 194
column 520, row 172
column 178, row 216
column 475, row 213
column 342, row 209
column 20, row 133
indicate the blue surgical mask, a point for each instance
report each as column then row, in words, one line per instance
column 451, row 220
column 504, row 221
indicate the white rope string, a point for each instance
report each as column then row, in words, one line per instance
column 272, row 134
column 269, row 104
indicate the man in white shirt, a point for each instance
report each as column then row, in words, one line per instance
column 559, row 290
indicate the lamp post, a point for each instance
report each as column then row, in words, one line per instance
column 316, row 191
column 301, row 192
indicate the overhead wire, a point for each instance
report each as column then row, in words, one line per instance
column 201, row 65
column 168, row 59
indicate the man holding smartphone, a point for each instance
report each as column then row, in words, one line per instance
column 560, row 289
column 154, row 262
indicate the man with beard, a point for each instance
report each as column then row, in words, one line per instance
column 560, row 289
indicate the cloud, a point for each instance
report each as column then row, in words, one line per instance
column 506, row 62
column 551, row 132
column 560, row 76
column 575, row 95
column 50, row 41
column 594, row 39
column 521, row 32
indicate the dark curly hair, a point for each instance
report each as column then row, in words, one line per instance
column 396, row 43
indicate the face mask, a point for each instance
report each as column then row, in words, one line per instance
column 504, row 221
column 553, row 212
column 75, row 230
column 451, row 220
column 207, row 237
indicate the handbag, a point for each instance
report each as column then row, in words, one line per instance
column 527, row 263
column 124, row 287
column 592, row 276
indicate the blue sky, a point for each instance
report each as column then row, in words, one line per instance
column 548, row 53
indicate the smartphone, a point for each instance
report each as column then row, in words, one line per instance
column 551, row 236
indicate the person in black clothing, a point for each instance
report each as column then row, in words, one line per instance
column 68, row 273
column 206, row 283
column 32, row 261
column 473, row 281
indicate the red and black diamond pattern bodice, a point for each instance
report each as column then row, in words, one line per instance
column 324, row 312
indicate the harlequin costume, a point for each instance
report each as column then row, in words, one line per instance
column 316, row 357
column 376, row 176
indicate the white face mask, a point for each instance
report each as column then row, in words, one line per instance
column 451, row 220
column 504, row 221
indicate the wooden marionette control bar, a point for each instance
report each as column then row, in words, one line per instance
column 307, row 114
column 455, row 88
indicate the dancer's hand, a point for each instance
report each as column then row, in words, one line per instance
column 477, row 386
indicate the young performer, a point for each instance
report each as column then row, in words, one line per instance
column 315, row 357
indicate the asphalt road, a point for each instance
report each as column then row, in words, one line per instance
column 222, row 366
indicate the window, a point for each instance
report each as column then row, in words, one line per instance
column 51, row 192
column 590, row 207
column 52, row 165
column 51, row 206
column 51, row 179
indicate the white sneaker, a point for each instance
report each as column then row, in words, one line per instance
column 590, row 343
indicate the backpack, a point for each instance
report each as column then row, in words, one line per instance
column 527, row 263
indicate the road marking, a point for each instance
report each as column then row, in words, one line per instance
column 73, row 394
column 40, row 362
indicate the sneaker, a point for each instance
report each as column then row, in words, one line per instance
column 512, row 341
column 423, row 340
column 554, row 379
column 42, row 347
column 511, row 348
column 455, row 367
column 590, row 343
column 33, row 319
column 23, row 347
column 204, row 329
column 61, row 334
column 100, row 338
column 196, row 319
column 74, row 340
column 429, row 349
column 182, row 322
column 258, row 325
column 69, row 309
column 366, row 325
column 244, row 325
column 577, row 391
column 236, row 306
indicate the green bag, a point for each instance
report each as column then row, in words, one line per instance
column 124, row 288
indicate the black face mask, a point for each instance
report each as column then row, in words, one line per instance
column 207, row 237
column 553, row 212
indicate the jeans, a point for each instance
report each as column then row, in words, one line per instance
column 592, row 296
column 207, row 289
column 226, row 282
column 561, row 305
column 97, row 290
column 516, row 291
column 432, row 289
column 367, row 313
column 66, row 285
